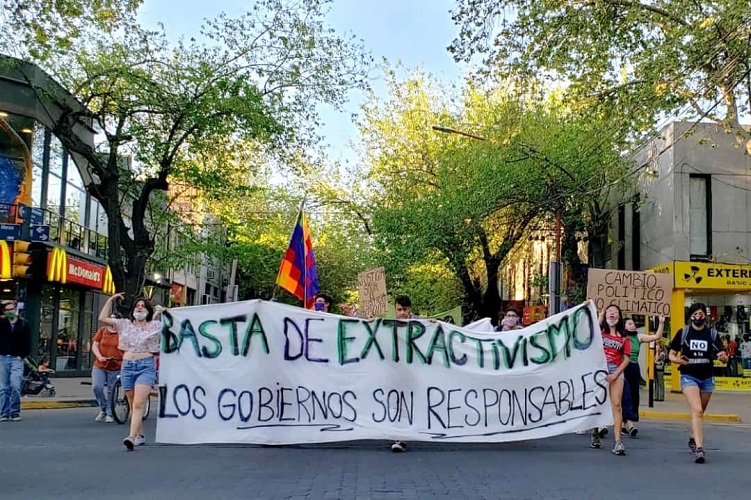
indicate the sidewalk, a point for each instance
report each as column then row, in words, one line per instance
column 725, row 407
column 69, row 393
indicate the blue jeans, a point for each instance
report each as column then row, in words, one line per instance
column 99, row 379
column 138, row 372
column 704, row 385
column 11, row 378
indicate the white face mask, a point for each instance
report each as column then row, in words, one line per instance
column 140, row 316
column 111, row 329
column 612, row 322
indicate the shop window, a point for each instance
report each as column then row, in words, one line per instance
column 67, row 330
column 56, row 156
column 700, row 216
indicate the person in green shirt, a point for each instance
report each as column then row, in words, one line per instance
column 633, row 372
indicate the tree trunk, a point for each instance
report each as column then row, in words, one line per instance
column 126, row 257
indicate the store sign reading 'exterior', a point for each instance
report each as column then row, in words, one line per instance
column 703, row 275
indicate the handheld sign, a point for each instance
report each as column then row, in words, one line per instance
column 633, row 291
column 372, row 287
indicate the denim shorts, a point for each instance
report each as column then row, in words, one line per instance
column 704, row 385
column 138, row 372
column 612, row 367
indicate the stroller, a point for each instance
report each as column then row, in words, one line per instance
column 36, row 382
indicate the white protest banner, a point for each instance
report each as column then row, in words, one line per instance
column 266, row 373
column 633, row 291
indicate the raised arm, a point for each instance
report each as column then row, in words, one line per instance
column 644, row 338
column 104, row 314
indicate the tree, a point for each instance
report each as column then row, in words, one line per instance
column 588, row 178
column 178, row 111
column 47, row 28
column 465, row 200
column 446, row 199
column 636, row 59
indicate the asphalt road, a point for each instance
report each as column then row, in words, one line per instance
column 64, row 453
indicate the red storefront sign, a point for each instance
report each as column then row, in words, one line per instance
column 84, row 273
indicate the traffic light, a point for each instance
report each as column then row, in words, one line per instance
column 29, row 260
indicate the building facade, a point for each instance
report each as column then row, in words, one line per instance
column 693, row 221
column 43, row 200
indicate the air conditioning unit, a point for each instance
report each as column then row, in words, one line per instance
column 207, row 299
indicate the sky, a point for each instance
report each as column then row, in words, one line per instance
column 413, row 32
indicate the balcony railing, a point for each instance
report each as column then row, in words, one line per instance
column 67, row 233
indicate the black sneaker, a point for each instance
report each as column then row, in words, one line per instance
column 699, row 456
column 399, row 447
column 129, row 443
column 603, row 432
column 633, row 431
column 595, row 440
column 692, row 445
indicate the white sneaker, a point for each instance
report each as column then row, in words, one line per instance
column 109, row 419
column 100, row 416
column 140, row 441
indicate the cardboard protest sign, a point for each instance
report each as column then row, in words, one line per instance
column 372, row 287
column 634, row 292
column 268, row 373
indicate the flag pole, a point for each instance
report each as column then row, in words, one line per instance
column 304, row 255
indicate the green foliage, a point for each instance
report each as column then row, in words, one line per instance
column 465, row 203
column 42, row 29
column 635, row 60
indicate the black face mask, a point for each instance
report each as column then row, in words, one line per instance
column 698, row 322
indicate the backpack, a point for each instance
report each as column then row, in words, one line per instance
column 684, row 334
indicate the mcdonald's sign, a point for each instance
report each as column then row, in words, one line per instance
column 5, row 263
column 57, row 266
column 109, row 286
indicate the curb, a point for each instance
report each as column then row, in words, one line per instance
column 723, row 418
column 57, row 404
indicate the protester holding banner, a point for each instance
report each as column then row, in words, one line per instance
column 694, row 348
column 633, row 372
column 323, row 302
column 140, row 339
column 403, row 307
column 617, row 351
column 510, row 321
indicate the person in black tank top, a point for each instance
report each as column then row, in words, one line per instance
column 694, row 351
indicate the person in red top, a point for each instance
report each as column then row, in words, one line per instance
column 617, row 351
column 106, row 367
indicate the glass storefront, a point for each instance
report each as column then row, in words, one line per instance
column 67, row 330
column 64, row 316
column 725, row 289
column 68, row 322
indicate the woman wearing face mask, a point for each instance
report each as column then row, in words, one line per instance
column 633, row 373
column 323, row 303
column 617, row 350
column 140, row 342
column 694, row 349
column 106, row 367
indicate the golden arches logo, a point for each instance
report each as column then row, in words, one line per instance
column 5, row 263
column 108, row 286
column 57, row 268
